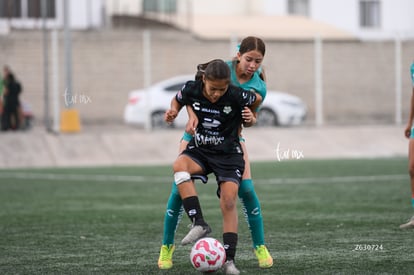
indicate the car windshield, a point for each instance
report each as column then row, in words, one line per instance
column 175, row 87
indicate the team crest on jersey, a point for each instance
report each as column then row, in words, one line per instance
column 227, row 109
column 179, row 95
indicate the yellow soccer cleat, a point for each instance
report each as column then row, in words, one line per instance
column 165, row 259
column 263, row 256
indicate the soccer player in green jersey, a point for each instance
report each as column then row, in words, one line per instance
column 409, row 133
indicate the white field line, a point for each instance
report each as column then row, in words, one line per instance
column 126, row 178
column 71, row 177
column 343, row 179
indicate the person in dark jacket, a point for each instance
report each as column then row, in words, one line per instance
column 12, row 90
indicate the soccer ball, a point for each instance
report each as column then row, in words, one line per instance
column 207, row 255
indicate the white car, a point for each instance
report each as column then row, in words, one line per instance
column 278, row 109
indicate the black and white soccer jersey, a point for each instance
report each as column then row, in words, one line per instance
column 219, row 122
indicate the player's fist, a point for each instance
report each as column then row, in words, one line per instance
column 170, row 115
column 248, row 116
column 407, row 131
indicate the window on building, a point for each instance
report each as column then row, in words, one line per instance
column 10, row 9
column 35, row 8
column 164, row 6
column 370, row 13
column 26, row 8
column 298, row 7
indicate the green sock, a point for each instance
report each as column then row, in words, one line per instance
column 172, row 215
column 412, row 202
column 252, row 211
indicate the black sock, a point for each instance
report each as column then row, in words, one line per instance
column 193, row 209
column 230, row 243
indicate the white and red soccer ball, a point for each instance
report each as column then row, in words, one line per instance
column 207, row 255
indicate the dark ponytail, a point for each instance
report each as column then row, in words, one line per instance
column 216, row 69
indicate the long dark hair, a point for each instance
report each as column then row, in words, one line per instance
column 252, row 43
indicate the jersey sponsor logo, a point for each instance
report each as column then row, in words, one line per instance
column 196, row 106
column 210, row 111
column 227, row 109
column 208, row 140
column 210, row 123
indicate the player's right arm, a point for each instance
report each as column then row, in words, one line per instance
column 407, row 131
column 172, row 113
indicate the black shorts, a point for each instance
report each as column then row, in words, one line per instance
column 226, row 167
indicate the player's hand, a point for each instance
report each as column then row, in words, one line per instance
column 248, row 116
column 191, row 125
column 170, row 115
column 407, row 131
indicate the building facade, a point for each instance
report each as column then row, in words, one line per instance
column 34, row 14
column 364, row 19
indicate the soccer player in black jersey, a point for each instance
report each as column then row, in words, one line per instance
column 215, row 148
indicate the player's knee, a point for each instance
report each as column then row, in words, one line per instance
column 227, row 202
column 177, row 166
column 180, row 177
column 411, row 170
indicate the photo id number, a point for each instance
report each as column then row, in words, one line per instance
column 368, row 247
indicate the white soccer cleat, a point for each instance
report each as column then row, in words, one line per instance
column 409, row 224
column 230, row 269
column 196, row 232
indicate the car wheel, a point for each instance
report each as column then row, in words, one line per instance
column 157, row 120
column 267, row 118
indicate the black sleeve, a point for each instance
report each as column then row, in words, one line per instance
column 246, row 98
column 184, row 94
column 179, row 97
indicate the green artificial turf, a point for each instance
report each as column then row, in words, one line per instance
column 320, row 217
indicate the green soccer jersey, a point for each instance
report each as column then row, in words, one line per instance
column 412, row 73
column 256, row 83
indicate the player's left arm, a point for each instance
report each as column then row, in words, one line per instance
column 262, row 75
column 192, row 121
column 407, row 131
column 249, row 112
column 250, row 115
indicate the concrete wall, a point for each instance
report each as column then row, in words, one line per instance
column 358, row 77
